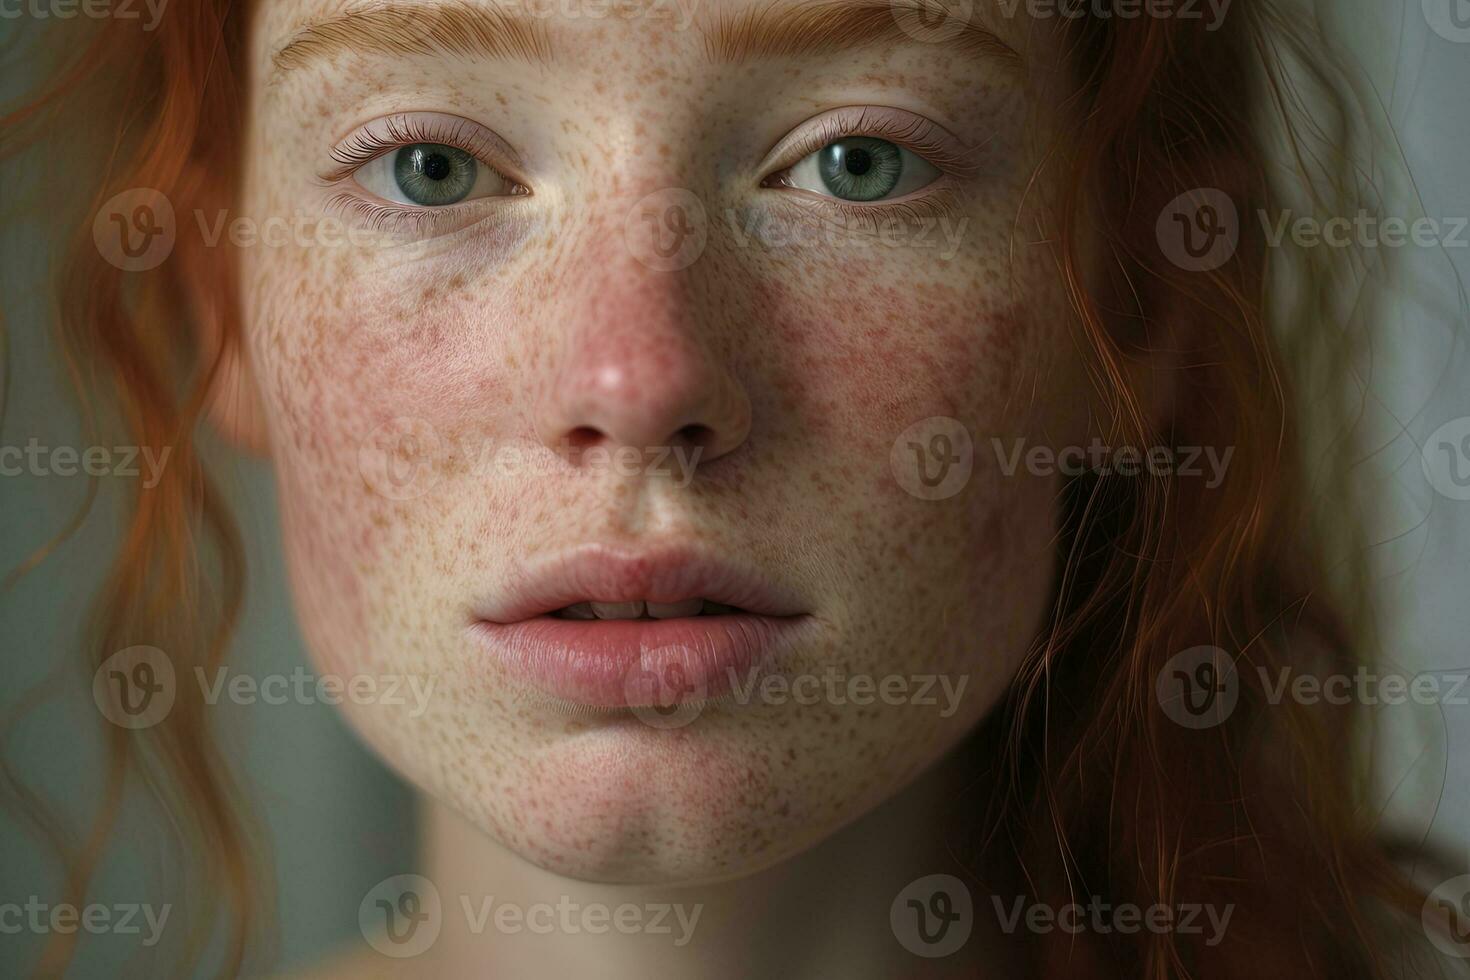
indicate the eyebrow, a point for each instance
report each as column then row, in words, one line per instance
column 784, row 30
column 429, row 28
column 778, row 30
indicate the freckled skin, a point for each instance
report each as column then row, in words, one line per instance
column 805, row 362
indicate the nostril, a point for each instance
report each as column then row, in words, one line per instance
column 695, row 436
column 583, row 436
column 578, row 440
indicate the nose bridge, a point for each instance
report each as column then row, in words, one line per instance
column 637, row 323
column 635, row 361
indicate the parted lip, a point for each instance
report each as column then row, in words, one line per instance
column 597, row 572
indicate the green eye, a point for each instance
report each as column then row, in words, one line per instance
column 863, row 168
column 860, row 168
column 433, row 173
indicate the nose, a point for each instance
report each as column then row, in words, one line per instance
column 633, row 370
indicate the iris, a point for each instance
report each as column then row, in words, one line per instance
column 860, row 168
column 433, row 173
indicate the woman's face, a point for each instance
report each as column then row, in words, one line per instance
column 693, row 320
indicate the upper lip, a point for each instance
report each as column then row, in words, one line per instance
column 604, row 573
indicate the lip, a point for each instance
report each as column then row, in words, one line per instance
column 633, row 663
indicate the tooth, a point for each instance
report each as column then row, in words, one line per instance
column 674, row 610
column 581, row 610
column 617, row 610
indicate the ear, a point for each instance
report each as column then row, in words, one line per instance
column 210, row 283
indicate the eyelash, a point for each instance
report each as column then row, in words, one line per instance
column 915, row 134
column 365, row 146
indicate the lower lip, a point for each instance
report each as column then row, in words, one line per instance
column 636, row 662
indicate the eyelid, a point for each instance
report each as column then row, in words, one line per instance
column 383, row 135
column 907, row 129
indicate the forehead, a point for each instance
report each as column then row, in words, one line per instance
column 292, row 35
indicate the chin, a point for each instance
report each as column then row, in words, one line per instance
column 623, row 803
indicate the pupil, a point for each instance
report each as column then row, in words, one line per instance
column 436, row 166
column 857, row 161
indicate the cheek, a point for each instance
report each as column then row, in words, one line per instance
column 953, row 580
column 858, row 358
column 874, row 354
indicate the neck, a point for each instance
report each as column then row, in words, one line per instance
column 824, row 913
